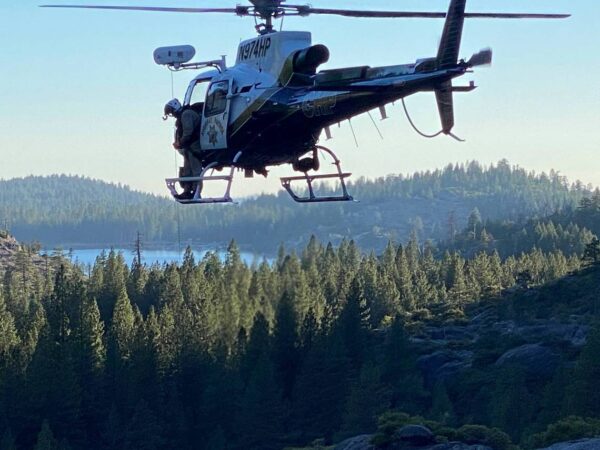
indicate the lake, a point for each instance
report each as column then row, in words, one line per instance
column 88, row 256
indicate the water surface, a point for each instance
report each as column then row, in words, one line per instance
column 88, row 256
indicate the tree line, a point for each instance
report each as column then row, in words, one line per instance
column 221, row 355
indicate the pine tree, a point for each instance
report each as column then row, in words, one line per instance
column 512, row 406
column 113, row 432
column 442, row 409
column 144, row 430
column 51, row 375
column 170, row 292
column 584, row 398
column 259, row 345
column 285, row 345
column 474, row 221
column 400, row 371
column 92, row 337
column 366, row 401
column 56, row 308
column 423, row 290
column 120, row 348
column 114, row 274
column 404, row 281
column 261, row 418
column 167, row 345
column 90, row 362
column 217, row 440
column 592, row 251
column 370, row 287
column 321, row 390
column 457, row 281
column 122, row 329
column 7, row 442
column 152, row 290
column 45, row 439
column 135, row 284
column 9, row 339
column 189, row 278
column 353, row 323
column 308, row 332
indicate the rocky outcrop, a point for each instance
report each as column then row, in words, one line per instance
column 444, row 364
column 9, row 251
column 583, row 444
column 362, row 442
column 410, row 437
column 546, row 331
column 541, row 331
column 535, row 359
column 8, row 246
column 458, row 446
column 415, row 434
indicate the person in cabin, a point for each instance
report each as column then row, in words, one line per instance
column 187, row 143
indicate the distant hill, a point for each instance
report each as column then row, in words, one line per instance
column 66, row 210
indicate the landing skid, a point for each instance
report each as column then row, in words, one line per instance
column 199, row 181
column 286, row 182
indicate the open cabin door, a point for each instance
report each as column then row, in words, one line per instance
column 216, row 116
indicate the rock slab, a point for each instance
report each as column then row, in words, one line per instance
column 583, row 444
column 362, row 442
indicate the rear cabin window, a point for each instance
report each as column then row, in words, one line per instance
column 216, row 101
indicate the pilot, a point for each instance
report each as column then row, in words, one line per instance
column 187, row 143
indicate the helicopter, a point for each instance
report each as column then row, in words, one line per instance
column 272, row 107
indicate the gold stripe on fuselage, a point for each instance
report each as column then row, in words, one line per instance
column 252, row 108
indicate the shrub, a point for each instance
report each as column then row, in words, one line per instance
column 566, row 429
column 390, row 422
column 387, row 425
column 479, row 434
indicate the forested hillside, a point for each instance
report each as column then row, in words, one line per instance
column 313, row 348
column 61, row 210
column 568, row 230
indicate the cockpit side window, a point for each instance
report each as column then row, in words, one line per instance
column 216, row 100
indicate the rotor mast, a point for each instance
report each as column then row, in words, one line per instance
column 267, row 10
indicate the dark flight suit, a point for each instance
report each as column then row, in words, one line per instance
column 187, row 142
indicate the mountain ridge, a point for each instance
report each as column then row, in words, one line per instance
column 61, row 208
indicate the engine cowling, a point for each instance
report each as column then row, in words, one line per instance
column 306, row 61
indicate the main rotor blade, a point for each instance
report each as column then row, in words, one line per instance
column 307, row 10
column 239, row 11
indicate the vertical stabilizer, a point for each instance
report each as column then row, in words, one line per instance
column 445, row 103
column 448, row 57
column 451, row 37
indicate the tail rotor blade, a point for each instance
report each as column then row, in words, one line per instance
column 481, row 58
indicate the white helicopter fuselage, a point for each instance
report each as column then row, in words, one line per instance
column 272, row 105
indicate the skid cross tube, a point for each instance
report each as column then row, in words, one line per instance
column 312, row 198
column 197, row 199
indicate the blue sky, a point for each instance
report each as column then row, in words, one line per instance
column 81, row 94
